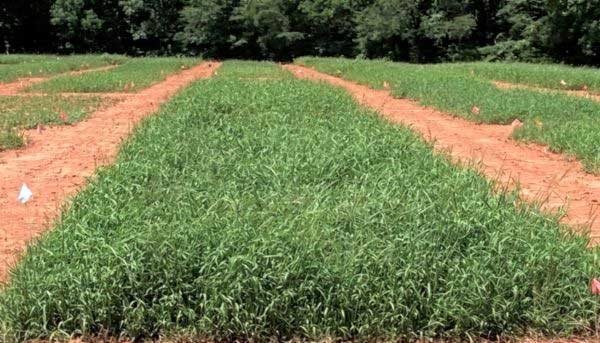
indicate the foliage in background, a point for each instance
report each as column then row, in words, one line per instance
column 126, row 26
column 131, row 76
column 409, row 30
column 25, row 26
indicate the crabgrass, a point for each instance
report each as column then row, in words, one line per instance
column 551, row 76
column 22, row 58
column 249, row 70
column 566, row 124
column 258, row 209
column 17, row 113
column 133, row 75
column 13, row 67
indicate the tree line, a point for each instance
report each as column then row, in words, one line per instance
column 408, row 30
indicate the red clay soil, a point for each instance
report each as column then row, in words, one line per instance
column 543, row 177
column 578, row 93
column 13, row 88
column 56, row 162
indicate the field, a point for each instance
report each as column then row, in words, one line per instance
column 13, row 67
column 567, row 124
column 130, row 76
column 46, row 101
column 550, row 76
column 16, row 114
column 258, row 206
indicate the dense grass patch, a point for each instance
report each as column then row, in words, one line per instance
column 131, row 76
column 17, row 113
column 565, row 123
column 258, row 209
column 250, row 70
column 540, row 75
column 13, row 67
column 22, row 58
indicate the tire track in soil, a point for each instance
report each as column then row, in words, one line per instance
column 542, row 177
column 56, row 162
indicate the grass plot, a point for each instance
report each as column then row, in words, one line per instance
column 131, row 76
column 551, row 76
column 565, row 123
column 280, row 209
column 13, row 67
column 17, row 113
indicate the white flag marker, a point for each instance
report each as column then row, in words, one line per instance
column 25, row 194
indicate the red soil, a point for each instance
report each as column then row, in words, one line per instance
column 13, row 88
column 56, row 161
column 551, row 179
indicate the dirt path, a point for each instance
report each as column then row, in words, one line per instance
column 15, row 87
column 579, row 93
column 542, row 176
column 57, row 161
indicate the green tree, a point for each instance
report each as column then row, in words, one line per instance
column 267, row 24
column 130, row 26
column 329, row 26
column 420, row 31
column 152, row 24
column 387, row 28
column 207, row 28
column 25, row 26
column 449, row 25
column 90, row 25
column 560, row 30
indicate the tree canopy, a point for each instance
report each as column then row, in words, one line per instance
column 410, row 30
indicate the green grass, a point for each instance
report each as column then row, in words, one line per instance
column 22, row 58
column 278, row 209
column 540, row 75
column 565, row 123
column 248, row 70
column 133, row 75
column 17, row 113
column 13, row 67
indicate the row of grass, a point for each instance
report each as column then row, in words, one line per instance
column 17, row 114
column 22, row 58
column 551, row 76
column 566, row 124
column 13, row 67
column 130, row 76
column 278, row 208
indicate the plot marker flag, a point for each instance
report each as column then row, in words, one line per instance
column 25, row 194
column 595, row 286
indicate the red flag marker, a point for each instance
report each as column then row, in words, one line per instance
column 64, row 117
column 595, row 286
